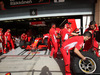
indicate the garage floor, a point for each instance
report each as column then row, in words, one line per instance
column 21, row 62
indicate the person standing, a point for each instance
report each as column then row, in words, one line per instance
column 53, row 39
column 8, row 40
column 74, row 43
column 1, row 40
column 47, row 36
column 65, row 32
column 91, row 42
column 24, row 37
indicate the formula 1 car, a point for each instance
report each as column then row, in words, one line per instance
column 38, row 43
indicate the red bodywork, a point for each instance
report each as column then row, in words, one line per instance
column 36, row 45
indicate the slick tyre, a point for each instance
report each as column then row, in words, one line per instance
column 79, row 67
column 28, row 43
column 22, row 44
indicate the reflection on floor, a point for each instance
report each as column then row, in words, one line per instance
column 17, row 63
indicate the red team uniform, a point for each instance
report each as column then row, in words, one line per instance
column 1, row 34
column 74, row 42
column 91, row 42
column 24, row 37
column 58, row 32
column 48, row 39
column 54, row 44
column 64, row 34
column 1, row 39
column 8, row 41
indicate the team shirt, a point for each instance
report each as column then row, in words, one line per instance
column 8, row 35
column 1, row 34
column 74, row 42
column 64, row 34
column 58, row 32
column 53, row 34
column 46, row 36
column 23, row 37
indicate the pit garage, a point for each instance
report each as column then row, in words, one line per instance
column 35, row 18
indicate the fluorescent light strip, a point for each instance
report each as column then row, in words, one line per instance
column 46, row 15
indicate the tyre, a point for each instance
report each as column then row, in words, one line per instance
column 79, row 67
column 22, row 44
column 28, row 43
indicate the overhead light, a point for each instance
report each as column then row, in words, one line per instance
column 34, row 19
column 39, row 18
column 6, row 21
column 58, row 17
column 48, row 17
column 19, row 20
column 62, row 17
column 10, row 21
column 23, row 20
column 44, row 18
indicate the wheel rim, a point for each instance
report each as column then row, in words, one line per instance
column 87, row 68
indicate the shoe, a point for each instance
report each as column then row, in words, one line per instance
column 50, row 56
column 13, row 49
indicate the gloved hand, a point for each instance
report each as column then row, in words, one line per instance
column 86, row 61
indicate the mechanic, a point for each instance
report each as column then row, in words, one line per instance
column 23, row 37
column 1, row 38
column 70, row 29
column 58, row 36
column 47, row 36
column 53, row 39
column 74, row 43
column 91, row 42
column 8, row 40
column 65, row 32
column 1, row 35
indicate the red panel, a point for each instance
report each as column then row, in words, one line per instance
column 74, row 26
column 37, row 22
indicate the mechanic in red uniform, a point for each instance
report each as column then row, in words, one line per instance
column 1, row 35
column 71, row 30
column 75, row 43
column 91, row 42
column 1, row 38
column 58, row 36
column 8, row 40
column 48, row 38
column 23, row 37
column 53, row 39
column 65, row 32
